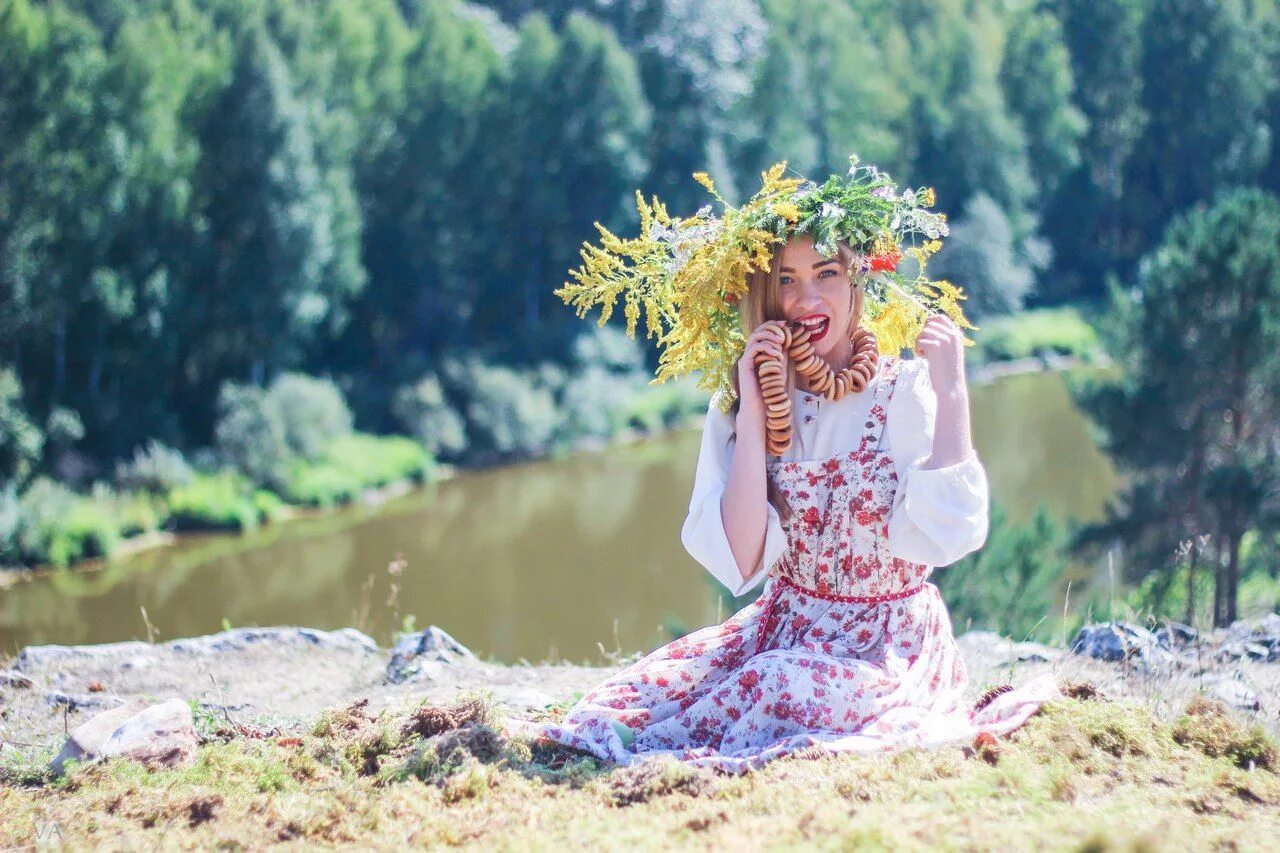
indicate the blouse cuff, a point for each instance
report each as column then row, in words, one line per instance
column 721, row 562
column 943, row 514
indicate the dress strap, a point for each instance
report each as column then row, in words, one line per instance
column 873, row 429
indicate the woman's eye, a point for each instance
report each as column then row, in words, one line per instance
column 824, row 272
column 786, row 279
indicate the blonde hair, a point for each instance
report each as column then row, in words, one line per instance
column 763, row 302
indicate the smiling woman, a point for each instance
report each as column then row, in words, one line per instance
column 849, row 648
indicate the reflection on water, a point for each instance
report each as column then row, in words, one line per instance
column 527, row 561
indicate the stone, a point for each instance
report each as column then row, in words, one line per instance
column 240, row 638
column 10, row 678
column 1004, row 649
column 86, row 740
column 163, row 735
column 76, row 702
column 1236, row 695
column 1175, row 635
column 43, row 657
column 416, row 653
column 160, row 735
column 1119, row 641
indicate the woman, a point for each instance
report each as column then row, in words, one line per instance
column 849, row 648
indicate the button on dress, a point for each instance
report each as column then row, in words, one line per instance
column 848, row 647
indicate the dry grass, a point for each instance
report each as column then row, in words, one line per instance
column 1085, row 773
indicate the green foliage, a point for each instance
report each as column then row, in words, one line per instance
column 252, row 435
column 1059, row 331
column 1010, row 585
column 60, row 527
column 21, row 441
column 224, row 501
column 509, row 413
column 353, row 463
column 424, row 413
column 1196, row 417
column 315, row 415
column 155, row 467
column 981, row 251
column 265, row 433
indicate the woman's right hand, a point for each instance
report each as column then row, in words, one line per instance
column 768, row 339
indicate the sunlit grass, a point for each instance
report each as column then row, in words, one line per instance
column 1082, row 773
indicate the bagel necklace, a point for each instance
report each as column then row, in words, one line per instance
column 772, row 373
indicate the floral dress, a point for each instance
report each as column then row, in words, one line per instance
column 849, row 648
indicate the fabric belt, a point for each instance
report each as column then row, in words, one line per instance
column 766, row 617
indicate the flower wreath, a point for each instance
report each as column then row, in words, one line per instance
column 687, row 276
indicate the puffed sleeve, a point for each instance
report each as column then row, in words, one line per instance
column 939, row 514
column 703, row 533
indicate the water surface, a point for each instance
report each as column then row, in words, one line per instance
column 544, row 559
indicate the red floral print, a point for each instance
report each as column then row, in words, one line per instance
column 847, row 648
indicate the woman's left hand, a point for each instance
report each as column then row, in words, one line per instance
column 941, row 344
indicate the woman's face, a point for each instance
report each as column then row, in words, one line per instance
column 816, row 291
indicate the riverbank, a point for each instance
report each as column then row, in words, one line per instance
column 215, row 502
column 321, row 737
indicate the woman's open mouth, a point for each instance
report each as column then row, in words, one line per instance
column 816, row 324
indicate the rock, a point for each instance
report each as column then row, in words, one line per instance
column 80, row 701
column 1175, row 635
column 240, row 638
column 10, row 678
column 43, row 657
column 161, row 735
column 1118, row 641
column 1004, row 649
column 86, row 740
column 1236, row 694
column 1258, row 641
column 416, row 654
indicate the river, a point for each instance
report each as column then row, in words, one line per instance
column 543, row 560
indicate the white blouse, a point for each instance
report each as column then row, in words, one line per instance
column 939, row 514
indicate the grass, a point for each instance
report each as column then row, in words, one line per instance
column 1083, row 773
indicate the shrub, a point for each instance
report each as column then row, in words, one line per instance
column 1062, row 331
column 656, row 407
column 509, row 413
column 1008, row 585
column 10, row 513
column 262, row 432
column 424, row 413
column 251, row 433
column 223, row 501
column 595, row 402
column 57, row 526
column 313, row 411
column 354, row 463
column 21, row 441
column 155, row 468
column 981, row 257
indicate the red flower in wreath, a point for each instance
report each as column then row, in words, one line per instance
column 885, row 261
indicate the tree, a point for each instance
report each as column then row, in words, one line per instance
column 832, row 80
column 980, row 257
column 1195, row 420
column 1207, row 80
column 265, row 279
column 1035, row 74
column 1008, row 586
column 1084, row 218
column 575, row 121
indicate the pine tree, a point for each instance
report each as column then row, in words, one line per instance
column 1195, row 420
